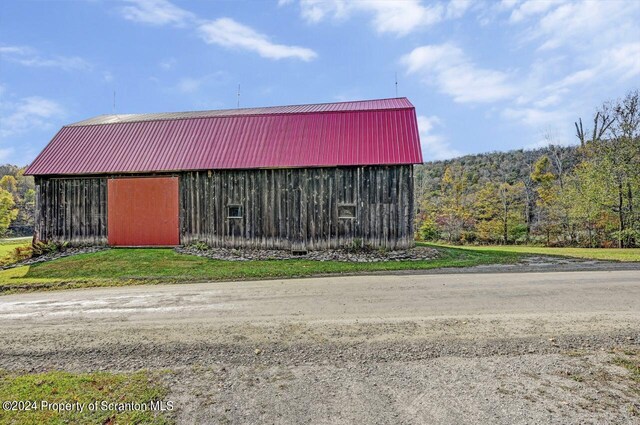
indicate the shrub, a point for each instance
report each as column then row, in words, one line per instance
column 50, row 247
column 19, row 253
column 429, row 231
column 200, row 246
column 468, row 236
column 22, row 253
column 356, row 245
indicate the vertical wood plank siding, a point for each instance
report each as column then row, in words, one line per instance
column 298, row 208
column 72, row 210
column 280, row 208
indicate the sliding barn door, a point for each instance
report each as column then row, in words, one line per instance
column 143, row 211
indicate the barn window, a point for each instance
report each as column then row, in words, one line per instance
column 346, row 211
column 234, row 211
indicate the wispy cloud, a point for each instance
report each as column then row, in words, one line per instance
column 167, row 64
column 224, row 31
column 107, row 76
column 448, row 68
column 434, row 146
column 575, row 46
column 535, row 117
column 228, row 33
column 28, row 113
column 396, row 17
column 582, row 25
column 28, row 56
column 530, row 8
column 457, row 8
column 188, row 85
column 156, row 12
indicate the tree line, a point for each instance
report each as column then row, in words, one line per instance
column 17, row 201
column 584, row 195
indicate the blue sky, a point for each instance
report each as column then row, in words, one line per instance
column 483, row 75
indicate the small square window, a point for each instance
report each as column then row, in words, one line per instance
column 234, row 211
column 346, row 211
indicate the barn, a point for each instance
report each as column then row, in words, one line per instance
column 304, row 177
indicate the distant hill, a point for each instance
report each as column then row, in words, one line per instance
column 510, row 167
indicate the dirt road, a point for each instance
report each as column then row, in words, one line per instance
column 460, row 348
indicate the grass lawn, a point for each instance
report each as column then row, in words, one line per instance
column 83, row 388
column 139, row 266
column 8, row 245
column 606, row 254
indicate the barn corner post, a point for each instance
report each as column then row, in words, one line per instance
column 37, row 219
column 305, row 177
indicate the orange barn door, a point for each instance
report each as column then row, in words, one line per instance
column 143, row 211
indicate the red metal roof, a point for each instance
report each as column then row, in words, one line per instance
column 370, row 132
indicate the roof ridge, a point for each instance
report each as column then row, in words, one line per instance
column 229, row 112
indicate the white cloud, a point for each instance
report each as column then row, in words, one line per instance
column 447, row 67
column 28, row 56
column 168, row 63
column 567, row 56
column 534, row 117
column 156, row 12
column 586, row 25
column 531, row 8
column 223, row 31
column 107, row 76
column 434, row 146
column 388, row 16
column 617, row 64
column 228, row 33
column 28, row 113
column 624, row 60
column 190, row 85
column 507, row 4
column 457, row 8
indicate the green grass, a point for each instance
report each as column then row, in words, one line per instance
column 139, row 266
column 8, row 245
column 606, row 254
column 13, row 241
column 84, row 388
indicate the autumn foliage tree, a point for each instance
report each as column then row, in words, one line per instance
column 18, row 205
column 586, row 195
column 8, row 212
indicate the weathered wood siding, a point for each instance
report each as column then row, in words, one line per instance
column 280, row 208
column 298, row 208
column 72, row 210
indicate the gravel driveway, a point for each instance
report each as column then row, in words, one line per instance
column 499, row 348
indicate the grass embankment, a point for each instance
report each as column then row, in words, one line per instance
column 139, row 266
column 605, row 254
column 141, row 388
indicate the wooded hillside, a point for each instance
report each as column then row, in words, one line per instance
column 587, row 195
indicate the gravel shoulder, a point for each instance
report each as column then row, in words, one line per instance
column 460, row 348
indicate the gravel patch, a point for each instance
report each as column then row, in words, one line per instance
column 528, row 389
column 365, row 256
